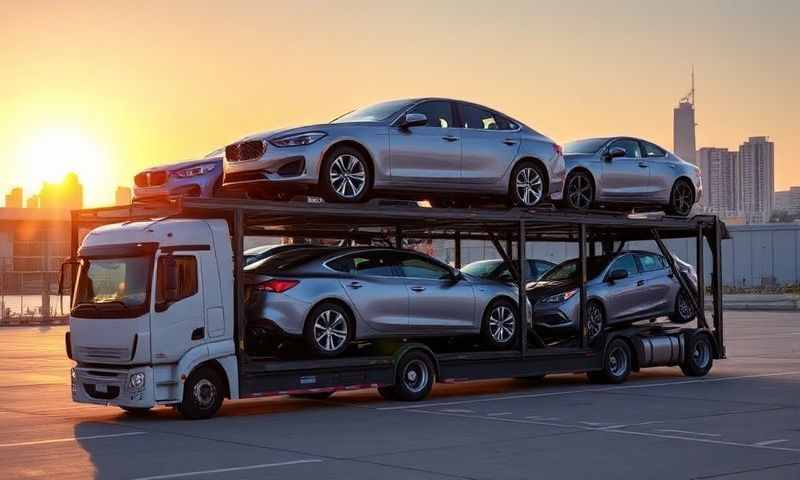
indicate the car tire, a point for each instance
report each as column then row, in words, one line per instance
column 579, row 191
column 312, row 395
column 344, row 167
column 527, row 186
column 203, row 394
column 499, row 324
column 684, row 311
column 681, row 199
column 617, row 360
column 414, row 379
column 328, row 330
column 699, row 356
column 595, row 320
column 136, row 411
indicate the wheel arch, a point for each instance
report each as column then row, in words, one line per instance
column 339, row 302
column 349, row 142
column 585, row 170
column 688, row 180
column 539, row 163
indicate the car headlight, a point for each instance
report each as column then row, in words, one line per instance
column 298, row 139
column 137, row 381
column 195, row 171
column 560, row 297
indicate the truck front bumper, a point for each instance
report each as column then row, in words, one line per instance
column 132, row 387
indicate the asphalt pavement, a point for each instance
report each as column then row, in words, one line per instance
column 742, row 421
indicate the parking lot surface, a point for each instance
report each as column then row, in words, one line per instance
column 742, row 421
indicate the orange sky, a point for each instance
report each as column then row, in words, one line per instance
column 129, row 85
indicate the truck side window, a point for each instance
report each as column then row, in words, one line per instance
column 187, row 277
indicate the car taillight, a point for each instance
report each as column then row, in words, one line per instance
column 276, row 286
column 557, row 148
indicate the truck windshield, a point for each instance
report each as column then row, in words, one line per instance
column 112, row 287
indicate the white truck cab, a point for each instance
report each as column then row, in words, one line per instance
column 153, row 310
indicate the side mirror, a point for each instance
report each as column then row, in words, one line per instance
column 618, row 274
column 170, row 279
column 615, row 152
column 413, row 120
column 454, row 276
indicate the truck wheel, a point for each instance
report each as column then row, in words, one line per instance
column 616, row 365
column 136, row 411
column 699, row 356
column 500, row 324
column 312, row 395
column 684, row 311
column 414, row 379
column 328, row 330
column 202, row 394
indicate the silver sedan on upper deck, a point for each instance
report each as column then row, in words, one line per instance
column 426, row 147
column 629, row 172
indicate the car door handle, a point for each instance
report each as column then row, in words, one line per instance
column 640, row 283
column 418, row 289
column 450, row 138
column 510, row 141
column 356, row 285
column 643, row 165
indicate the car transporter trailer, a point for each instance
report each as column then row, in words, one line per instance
column 396, row 372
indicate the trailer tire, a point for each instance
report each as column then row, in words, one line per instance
column 413, row 379
column 617, row 363
column 312, row 395
column 203, row 393
column 699, row 356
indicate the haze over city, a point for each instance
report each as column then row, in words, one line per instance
column 114, row 89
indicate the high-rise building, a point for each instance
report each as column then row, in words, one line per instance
column 719, row 167
column 14, row 198
column 788, row 201
column 32, row 202
column 123, row 196
column 683, row 138
column 757, row 179
column 67, row 194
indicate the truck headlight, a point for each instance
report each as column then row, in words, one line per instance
column 560, row 297
column 137, row 381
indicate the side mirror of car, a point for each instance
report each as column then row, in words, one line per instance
column 618, row 274
column 615, row 152
column 454, row 276
column 413, row 120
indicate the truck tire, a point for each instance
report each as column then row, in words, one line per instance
column 414, row 379
column 616, row 364
column 699, row 356
column 202, row 394
column 499, row 327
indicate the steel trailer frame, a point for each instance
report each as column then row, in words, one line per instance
column 395, row 221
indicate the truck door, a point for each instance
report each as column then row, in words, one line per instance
column 178, row 323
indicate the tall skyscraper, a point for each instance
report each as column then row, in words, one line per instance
column 757, row 178
column 14, row 198
column 67, row 194
column 123, row 196
column 720, row 170
column 683, row 138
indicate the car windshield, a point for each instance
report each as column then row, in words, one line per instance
column 588, row 146
column 482, row 269
column 121, row 282
column 373, row 113
column 568, row 271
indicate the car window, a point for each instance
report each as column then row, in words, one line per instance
column 187, row 277
column 541, row 268
column 504, row 123
column 414, row 266
column 651, row 150
column 631, row 147
column 440, row 114
column 650, row 262
column 482, row 269
column 379, row 264
column 627, row 263
column 478, row 118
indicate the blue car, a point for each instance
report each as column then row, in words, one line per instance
column 195, row 178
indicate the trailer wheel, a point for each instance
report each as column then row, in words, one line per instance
column 616, row 365
column 414, row 379
column 500, row 324
column 699, row 356
column 202, row 394
column 312, row 395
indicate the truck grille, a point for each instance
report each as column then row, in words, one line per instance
column 249, row 150
column 104, row 353
column 150, row 179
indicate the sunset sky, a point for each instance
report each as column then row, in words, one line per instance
column 106, row 88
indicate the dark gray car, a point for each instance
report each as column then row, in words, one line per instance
column 422, row 147
column 621, row 288
column 629, row 172
column 332, row 296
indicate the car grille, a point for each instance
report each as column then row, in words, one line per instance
column 249, row 150
column 150, row 179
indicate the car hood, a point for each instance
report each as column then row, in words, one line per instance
column 319, row 127
column 185, row 164
column 542, row 289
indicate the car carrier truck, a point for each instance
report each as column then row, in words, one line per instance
column 179, row 339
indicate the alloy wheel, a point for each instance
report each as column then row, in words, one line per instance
column 330, row 330
column 204, row 393
column 502, row 324
column 594, row 324
column 579, row 192
column 685, row 309
column 530, row 186
column 682, row 199
column 348, row 175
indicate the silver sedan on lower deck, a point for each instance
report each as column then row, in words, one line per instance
column 332, row 296
column 629, row 172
